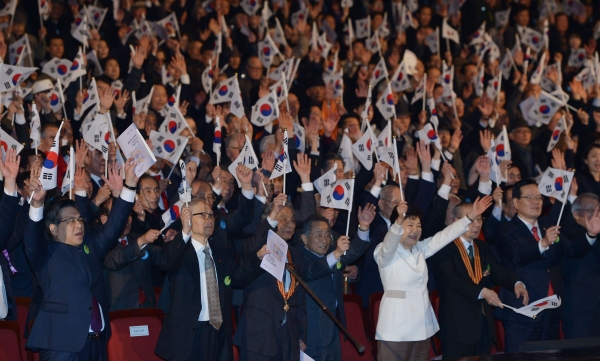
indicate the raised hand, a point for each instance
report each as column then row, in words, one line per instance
column 483, row 168
column 138, row 58
column 190, row 171
column 379, row 172
column 497, row 196
column 455, row 140
column 302, row 167
column 286, row 122
column 551, row 236
column 447, row 173
column 186, row 216
column 130, row 178
column 35, row 186
column 244, row 174
column 216, row 176
column 10, row 170
column 121, row 101
column 79, row 180
column 178, row 62
column 330, row 123
column 485, row 139
column 411, row 162
column 366, row 215
column 424, row 156
column 402, row 208
column 479, row 206
column 343, row 244
column 102, row 195
column 268, row 161
column 278, row 204
column 81, row 152
column 107, row 97
column 115, row 179
column 138, row 208
column 558, row 159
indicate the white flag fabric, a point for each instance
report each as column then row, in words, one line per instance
column 429, row 135
column 384, row 139
column 96, row 15
column 67, row 182
column 299, row 137
column 96, row 133
column 577, row 58
column 283, row 161
column 536, row 77
column 432, row 42
column 365, row 112
column 266, row 110
column 477, row 37
column 77, row 68
column 506, row 65
column 9, row 9
column 545, row 107
column 207, row 77
column 503, row 146
column 167, row 146
column 400, row 81
column 372, row 43
column 12, row 76
column 345, row 151
column 301, row 14
column 502, row 17
column 556, row 183
column 165, row 76
column 380, row 72
column 141, row 105
column 250, row 7
column 327, row 179
column 338, row 194
column 336, row 80
column 546, row 34
column 347, row 3
column 237, row 107
column 279, row 35
column 172, row 214
column 280, row 90
column 363, row 28
column 450, row 33
column 386, row 105
column 533, row 39
column 561, row 126
column 447, row 79
column 479, row 86
column 174, row 122
column 532, row 309
column 56, row 97
column 573, row 7
column 282, row 70
column 217, row 139
column 6, row 142
column 91, row 100
column 323, row 45
column 267, row 50
column 185, row 190
column 48, row 176
column 58, row 68
column 246, row 157
column 167, row 26
column 420, row 91
column 36, row 127
column 81, row 31
column 495, row 175
column 363, row 150
column 224, row 92
column 493, row 86
column 18, row 48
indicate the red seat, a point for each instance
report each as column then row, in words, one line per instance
column 499, row 336
column 10, row 341
column 123, row 347
column 157, row 291
column 356, row 327
column 22, row 310
column 374, row 302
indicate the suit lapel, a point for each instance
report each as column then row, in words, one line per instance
column 191, row 260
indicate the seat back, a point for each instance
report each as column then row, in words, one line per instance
column 10, row 341
column 22, row 310
column 134, row 334
column 356, row 327
column 374, row 302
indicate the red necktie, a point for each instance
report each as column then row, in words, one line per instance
column 163, row 195
column 223, row 211
column 537, row 238
column 124, row 242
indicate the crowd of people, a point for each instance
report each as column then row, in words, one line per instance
column 397, row 147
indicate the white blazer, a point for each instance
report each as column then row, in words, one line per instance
column 405, row 313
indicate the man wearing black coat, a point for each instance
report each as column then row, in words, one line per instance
column 465, row 273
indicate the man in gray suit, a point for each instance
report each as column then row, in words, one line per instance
column 323, row 343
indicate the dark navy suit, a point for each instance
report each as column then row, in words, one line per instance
column 8, row 208
column 69, row 276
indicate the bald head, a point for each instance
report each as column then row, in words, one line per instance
column 461, row 210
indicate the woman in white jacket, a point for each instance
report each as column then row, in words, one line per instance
column 406, row 318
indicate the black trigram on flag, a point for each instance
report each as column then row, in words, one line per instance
column 33, row 113
column 47, row 176
column 347, row 202
column 104, row 149
column 348, row 186
column 172, row 115
column 326, row 182
column 178, row 142
column 9, row 71
column 550, row 174
column 278, row 167
column 328, row 199
column 548, row 188
column 250, row 160
column 7, row 85
column 96, row 138
column 160, row 138
column 159, row 149
column 361, row 147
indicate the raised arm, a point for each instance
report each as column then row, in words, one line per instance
column 384, row 253
column 35, row 244
column 10, row 198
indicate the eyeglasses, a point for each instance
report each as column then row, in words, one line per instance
column 532, row 199
column 70, row 221
column 205, row 215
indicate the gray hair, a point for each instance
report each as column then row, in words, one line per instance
column 386, row 192
column 267, row 142
column 459, row 210
column 269, row 209
column 577, row 205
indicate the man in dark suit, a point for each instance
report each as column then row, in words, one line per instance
column 8, row 208
column 323, row 341
column 130, row 265
column 202, row 275
column 581, row 273
column 465, row 273
column 72, row 322
column 272, row 324
column 527, row 246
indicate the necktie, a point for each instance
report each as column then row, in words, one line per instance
column 96, row 322
column 12, row 268
column 124, row 242
column 214, row 306
column 100, row 183
column 223, row 211
column 163, row 195
column 537, row 238
column 470, row 250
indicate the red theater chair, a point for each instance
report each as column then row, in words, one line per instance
column 10, row 341
column 125, row 345
column 356, row 327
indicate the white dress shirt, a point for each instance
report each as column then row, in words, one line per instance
column 199, row 247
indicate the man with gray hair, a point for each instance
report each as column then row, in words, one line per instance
column 466, row 272
column 581, row 273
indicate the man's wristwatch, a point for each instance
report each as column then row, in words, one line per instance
column 364, row 230
column 129, row 187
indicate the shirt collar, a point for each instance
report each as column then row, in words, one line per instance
column 199, row 247
column 387, row 221
column 465, row 242
column 529, row 225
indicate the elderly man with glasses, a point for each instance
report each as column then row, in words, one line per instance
column 532, row 247
column 72, row 321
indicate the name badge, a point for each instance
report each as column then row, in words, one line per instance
column 137, row 331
